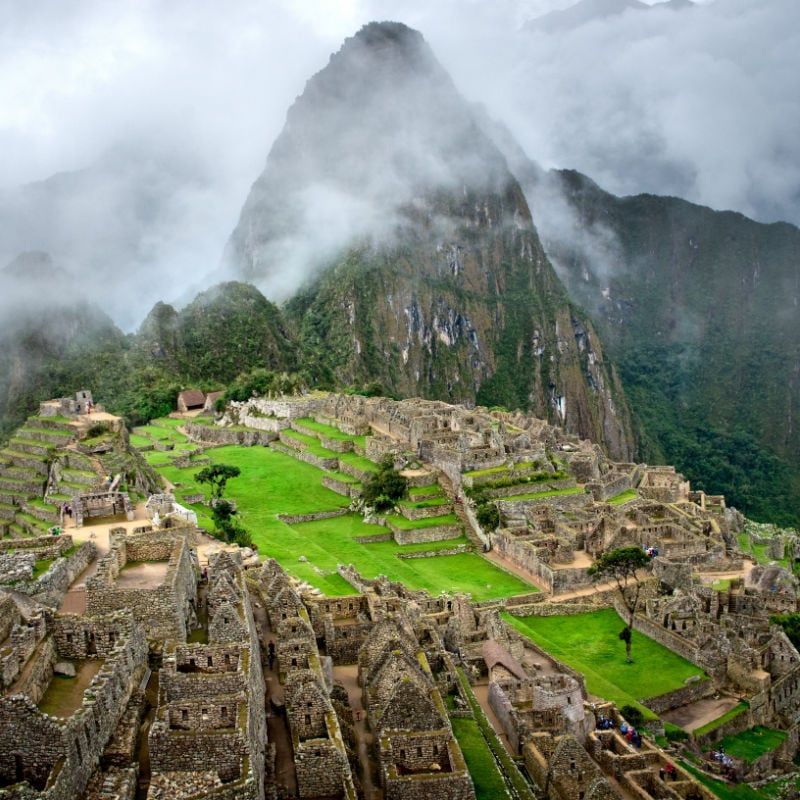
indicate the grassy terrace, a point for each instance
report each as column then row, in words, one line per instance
column 431, row 503
column 624, row 497
column 273, row 483
column 422, row 491
column 760, row 552
column 753, row 744
column 551, row 493
column 330, row 432
column 414, row 525
column 589, row 643
column 488, row 779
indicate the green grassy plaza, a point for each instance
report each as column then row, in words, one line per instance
column 272, row 483
column 589, row 643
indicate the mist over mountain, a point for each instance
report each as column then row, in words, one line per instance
column 587, row 11
column 699, row 309
column 413, row 247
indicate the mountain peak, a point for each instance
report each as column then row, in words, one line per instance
column 377, row 132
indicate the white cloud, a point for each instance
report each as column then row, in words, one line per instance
column 704, row 104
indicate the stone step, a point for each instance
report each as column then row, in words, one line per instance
column 35, row 463
column 58, row 438
column 32, row 488
column 51, row 423
column 31, row 525
column 79, row 476
column 49, row 514
column 13, row 498
column 31, row 446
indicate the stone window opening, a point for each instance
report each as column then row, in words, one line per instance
column 224, row 712
column 308, row 719
column 419, row 752
column 210, row 661
column 294, row 662
column 204, row 714
column 184, row 715
column 436, row 749
column 227, row 658
column 69, row 638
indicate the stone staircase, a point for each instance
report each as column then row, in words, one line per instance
column 472, row 535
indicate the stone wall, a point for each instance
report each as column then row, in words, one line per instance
column 692, row 692
column 213, row 434
column 344, row 488
column 296, row 519
column 49, row 589
column 164, row 609
column 63, row 756
column 435, row 533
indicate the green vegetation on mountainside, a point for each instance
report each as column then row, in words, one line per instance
column 699, row 312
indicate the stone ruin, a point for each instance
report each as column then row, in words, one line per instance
column 195, row 651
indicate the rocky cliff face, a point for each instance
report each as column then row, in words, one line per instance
column 700, row 310
column 407, row 252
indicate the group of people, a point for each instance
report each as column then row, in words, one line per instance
column 66, row 510
column 668, row 772
column 632, row 736
column 721, row 757
column 651, row 551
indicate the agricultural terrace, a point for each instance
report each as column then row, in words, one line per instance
column 272, row 483
column 589, row 643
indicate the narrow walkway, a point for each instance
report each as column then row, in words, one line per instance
column 347, row 675
column 277, row 724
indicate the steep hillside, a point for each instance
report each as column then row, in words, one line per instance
column 226, row 330
column 408, row 250
column 700, row 310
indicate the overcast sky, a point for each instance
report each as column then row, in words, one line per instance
column 702, row 103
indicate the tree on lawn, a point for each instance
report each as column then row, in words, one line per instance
column 622, row 566
column 217, row 477
column 222, row 511
column 385, row 487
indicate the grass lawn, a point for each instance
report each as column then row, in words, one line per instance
column 273, row 483
column 399, row 521
column 328, row 431
column 326, row 543
column 752, row 744
column 431, row 489
column 624, row 497
column 489, row 783
column 589, row 643
column 551, row 493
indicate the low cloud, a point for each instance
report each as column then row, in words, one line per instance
column 165, row 112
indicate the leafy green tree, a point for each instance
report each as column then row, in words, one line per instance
column 217, row 476
column 623, row 565
column 385, row 487
column 790, row 624
column 488, row 516
column 223, row 512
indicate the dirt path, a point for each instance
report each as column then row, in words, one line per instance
column 347, row 675
column 694, row 715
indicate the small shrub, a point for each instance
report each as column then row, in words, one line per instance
column 633, row 715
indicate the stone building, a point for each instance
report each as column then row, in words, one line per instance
column 53, row 757
column 418, row 753
column 166, row 604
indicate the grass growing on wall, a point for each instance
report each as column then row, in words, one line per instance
column 715, row 723
column 589, row 643
column 487, row 778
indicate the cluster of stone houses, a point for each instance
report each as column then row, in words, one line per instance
column 216, row 674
